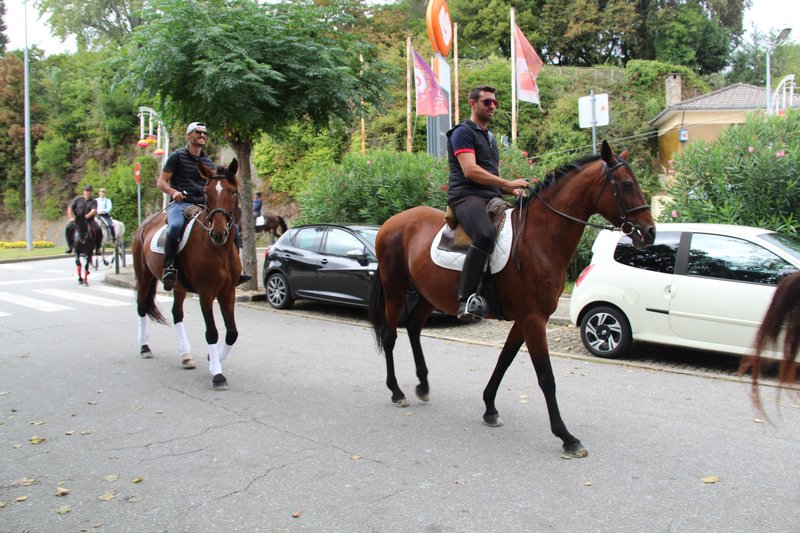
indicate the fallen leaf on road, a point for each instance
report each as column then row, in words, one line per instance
column 25, row 482
column 355, row 457
column 92, row 402
column 137, row 479
column 107, row 496
column 298, row 513
column 38, row 423
column 64, row 509
column 588, row 483
column 86, row 432
column 37, row 440
column 17, row 446
column 408, row 413
column 710, row 479
column 758, row 420
column 3, row 504
column 459, row 482
column 61, row 491
column 70, row 432
column 22, row 498
column 111, row 477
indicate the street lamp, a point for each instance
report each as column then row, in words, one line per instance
column 778, row 40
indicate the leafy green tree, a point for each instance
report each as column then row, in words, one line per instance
column 688, row 36
column 749, row 176
column 93, row 23
column 246, row 68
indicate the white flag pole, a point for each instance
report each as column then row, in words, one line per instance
column 513, row 79
column 408, row 94
column 455, row 80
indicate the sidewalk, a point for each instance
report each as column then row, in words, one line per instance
column 125, row 278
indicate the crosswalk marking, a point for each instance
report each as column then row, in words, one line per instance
column 81, row 297
column 33, row 303
column 128, row 292
column 32, row 280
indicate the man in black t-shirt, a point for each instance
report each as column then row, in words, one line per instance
column 474, row 180
column 87, row 205
column 181, row 180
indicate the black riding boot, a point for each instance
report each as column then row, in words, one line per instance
column 471, row 306
column 170, row 274
column 68, row 235
column 243, row 278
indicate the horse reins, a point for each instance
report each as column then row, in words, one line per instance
column 230, row 217
column 626, row 227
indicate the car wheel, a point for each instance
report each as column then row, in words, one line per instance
column 605, row 332
column 278, row 294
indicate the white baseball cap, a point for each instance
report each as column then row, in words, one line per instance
column 195, row 126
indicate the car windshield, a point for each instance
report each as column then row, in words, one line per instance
column 368, row 233
column 788, row 244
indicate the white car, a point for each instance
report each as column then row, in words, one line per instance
column 700, row 286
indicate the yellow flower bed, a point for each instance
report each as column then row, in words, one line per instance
column 22, row 244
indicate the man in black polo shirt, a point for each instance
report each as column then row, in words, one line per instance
column 87, row 206
column 181, row 180
column 474, row 180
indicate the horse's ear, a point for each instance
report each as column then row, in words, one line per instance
column 206, row 172
column 624, row 155
column 606, row 153
column 233, row 168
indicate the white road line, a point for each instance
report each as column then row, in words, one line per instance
column 40, row 305
column 82, row 297
column 127, row 292
column 34, row 280
column 4, row 314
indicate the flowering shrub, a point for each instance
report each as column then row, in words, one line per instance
column 749, row 176
column 22, row 244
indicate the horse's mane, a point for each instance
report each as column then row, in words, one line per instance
column 553, row 176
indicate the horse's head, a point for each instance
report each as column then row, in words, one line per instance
column 221, row 200
column 621, row 200
column 81, row 224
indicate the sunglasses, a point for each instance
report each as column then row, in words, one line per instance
column 490, row 101
column 199, row 133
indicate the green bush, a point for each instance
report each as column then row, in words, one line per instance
column 749, row 176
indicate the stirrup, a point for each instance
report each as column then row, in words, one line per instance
column 243, row 278
column 474, row 308
column 168, row 278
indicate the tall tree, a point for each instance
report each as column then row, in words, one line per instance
column 247, row 68
column 3, row 27
column 93, row 23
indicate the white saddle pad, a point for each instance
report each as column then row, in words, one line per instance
column 260, row 220
column 497, row 261
column 159, row 249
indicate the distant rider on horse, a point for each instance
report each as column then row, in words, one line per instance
column 474, row 180
column 104, row 206
column 181, row 180
column 87, row 205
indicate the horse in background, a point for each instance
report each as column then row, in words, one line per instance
column 119, row 233
column 84, row 243
column 209, row 265
column 783, row 314
column 547, row 226
column 274, row 224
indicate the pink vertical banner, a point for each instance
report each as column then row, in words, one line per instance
column 529, row 64
column 431, row 100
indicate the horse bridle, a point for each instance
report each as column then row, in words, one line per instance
column 627, row 226
column 230, row 216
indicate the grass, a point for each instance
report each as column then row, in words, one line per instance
column 15, row 254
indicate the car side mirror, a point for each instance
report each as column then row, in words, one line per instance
column 359, row 255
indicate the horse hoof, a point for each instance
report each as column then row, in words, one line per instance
column 80, row 281
column 187, row 362
column 493, row 421
column 400, row 402
column 423, row 395
column 574, row 451
column 218, row 382
column 145, row 352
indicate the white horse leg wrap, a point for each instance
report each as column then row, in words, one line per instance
column 224, row 351
column 183, row 340
column 213, row 360
column 142, row 330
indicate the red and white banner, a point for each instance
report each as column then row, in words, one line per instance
column 431, row 100
column 529, row 64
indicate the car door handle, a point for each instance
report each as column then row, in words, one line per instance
column 324, row 261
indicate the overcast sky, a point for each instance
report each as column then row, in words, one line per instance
column 765, row 14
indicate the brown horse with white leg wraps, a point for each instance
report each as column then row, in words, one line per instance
column 209, row 266
column 547, row 226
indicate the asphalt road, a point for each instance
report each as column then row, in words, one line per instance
column 307, row 438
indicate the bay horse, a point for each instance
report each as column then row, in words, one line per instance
column 209, row 266
column 274, row 224
column 119, row 234
column 547, row 226
column 782, row 314
column 84, row 243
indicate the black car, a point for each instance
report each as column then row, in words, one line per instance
column 324, row 262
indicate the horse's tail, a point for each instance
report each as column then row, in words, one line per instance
column 139, row 266
column 376, row 313
column 783, row 312
column 282, row 222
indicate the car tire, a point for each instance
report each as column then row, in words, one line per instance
column 606, row 332
column 278, row 294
